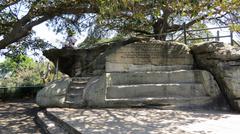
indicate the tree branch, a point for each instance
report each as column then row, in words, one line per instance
column 187, row 25
column 19, row 31
column 23, row 27
column 8, row 4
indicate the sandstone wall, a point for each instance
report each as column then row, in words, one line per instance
column 223, row 61
column 149, row 56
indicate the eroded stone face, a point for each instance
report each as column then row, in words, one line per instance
column 154, row 55
column 223, row 62
column 53, row 94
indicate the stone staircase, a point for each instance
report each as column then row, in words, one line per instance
column 75, row 92
column 177, row 87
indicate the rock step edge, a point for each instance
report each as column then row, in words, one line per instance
column 47, row 125
column 163, row 103
column 180, row 76
column 67, row 127
column 155, row 91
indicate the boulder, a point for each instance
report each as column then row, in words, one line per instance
column 223, row 61
column 53, row 94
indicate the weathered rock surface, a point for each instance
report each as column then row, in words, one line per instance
column 53, row 94
column 223, row 61
column 83, row 62
column 149, row 56
column 156, row 73
column 133, row 74
column 78, row 62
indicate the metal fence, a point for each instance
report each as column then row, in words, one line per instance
column 217, row 37
column 182, row 35
column 19, row 92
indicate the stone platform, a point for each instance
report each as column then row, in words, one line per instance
column 138, row 121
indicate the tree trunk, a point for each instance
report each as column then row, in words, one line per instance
column 160, row 29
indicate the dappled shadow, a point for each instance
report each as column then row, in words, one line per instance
column 16, row 116
column 135, row 120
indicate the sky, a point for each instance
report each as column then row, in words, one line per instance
column 47, row 34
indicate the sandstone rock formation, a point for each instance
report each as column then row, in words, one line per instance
column 83, row 62
column 223, row 61
column 149, row 56
column 147, row 72
column 78, row 62
column 53, row 94
column 156, row 73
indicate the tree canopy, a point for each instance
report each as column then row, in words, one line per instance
column 148, row 17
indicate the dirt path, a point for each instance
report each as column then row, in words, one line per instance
column 17, row 117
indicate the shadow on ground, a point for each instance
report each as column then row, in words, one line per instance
column 17, row 116
column 142, row 120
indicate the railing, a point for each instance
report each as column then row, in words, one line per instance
column 217, row 37
column 19, row 92
column 184, row 34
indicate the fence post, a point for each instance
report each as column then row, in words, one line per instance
column 4, row 93
column 56, row 71
column 207, row 37
column 231, row 37
column 217, row 39
column 184, row 33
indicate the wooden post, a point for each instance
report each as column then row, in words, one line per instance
column 231, row 37
column 207, row 37
column 184, row 33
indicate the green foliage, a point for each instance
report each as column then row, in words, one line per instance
column 139, row 15
column 94, row 42
column 23, row 71
column 235, row 27
column 19, row 70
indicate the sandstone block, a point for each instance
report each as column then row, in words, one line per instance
column 144, row 56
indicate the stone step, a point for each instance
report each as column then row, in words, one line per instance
column 74, row 97
column 75, row 91
column 80, row 78
column 76, row 87
column 47, row 125
column 173, row 102
column 68, row 126
column 134, row 78
column 122, row 67
column 155, row 91
column 79, row 82
column 74, row 94
column 72, row 104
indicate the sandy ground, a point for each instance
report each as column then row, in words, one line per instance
column 17, row 117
